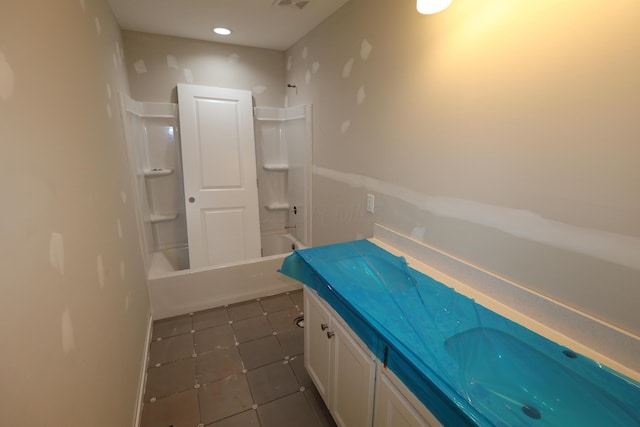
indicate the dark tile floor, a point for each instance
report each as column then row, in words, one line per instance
column 240, row 365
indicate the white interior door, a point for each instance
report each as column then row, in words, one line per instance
column 219, row 166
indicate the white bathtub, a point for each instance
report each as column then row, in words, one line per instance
column 278, row 243
column 168, row 261
column 179, row 292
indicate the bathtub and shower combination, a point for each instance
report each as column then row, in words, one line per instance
column 283, row 163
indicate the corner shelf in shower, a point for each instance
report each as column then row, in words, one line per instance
column 276, row 167
column 155, row 218
column 157, row 172
column 277, row 206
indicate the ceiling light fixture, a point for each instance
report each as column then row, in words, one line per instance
column 221, row 31
column 428, row 7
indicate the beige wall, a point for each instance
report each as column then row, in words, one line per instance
column 156, row 64
column 74, row 306
column 505, row 133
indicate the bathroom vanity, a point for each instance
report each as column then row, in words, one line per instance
column 357, row 388
column 387, row 345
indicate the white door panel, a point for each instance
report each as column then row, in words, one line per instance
column 221, row 154
column 218, row 222
column 218, row 155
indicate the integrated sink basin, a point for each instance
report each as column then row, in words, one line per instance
column 520, row 385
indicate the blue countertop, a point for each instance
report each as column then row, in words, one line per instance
column 467, row 364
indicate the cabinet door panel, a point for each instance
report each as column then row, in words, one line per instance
column 392, row 409
column 317, row 347
column 352, row 381
column 397, row 406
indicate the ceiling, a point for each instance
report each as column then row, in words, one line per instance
column 271, row 24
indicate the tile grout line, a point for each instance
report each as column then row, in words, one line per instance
column 286, row 360
column 245, row 371
column 194, row 351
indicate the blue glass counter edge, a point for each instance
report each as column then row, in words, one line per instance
column 364, row 284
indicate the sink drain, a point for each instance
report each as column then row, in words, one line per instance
column 531, row 412
column 299, row 321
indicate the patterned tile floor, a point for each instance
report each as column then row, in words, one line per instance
column 240, row 365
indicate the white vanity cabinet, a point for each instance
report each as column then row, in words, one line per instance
column 343, row 372
column 396, row 406
column 349, row 378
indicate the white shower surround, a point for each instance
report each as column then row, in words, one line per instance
column 174, row 289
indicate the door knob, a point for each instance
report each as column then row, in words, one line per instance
column 192, row 199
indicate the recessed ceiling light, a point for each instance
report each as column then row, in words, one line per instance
column 429, row 7
column 222, row 31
